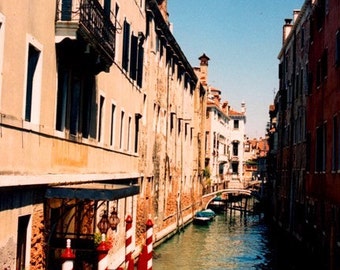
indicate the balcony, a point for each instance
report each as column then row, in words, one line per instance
column 86, row 20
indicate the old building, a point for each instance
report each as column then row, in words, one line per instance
column 217, row 141
column 69, row 128
column 304, row 132
column 224, row 137
column 237, row 143
column 291, row 128
column 171, row 132
column 323, row 106
column 255, row 156
column 101, row 117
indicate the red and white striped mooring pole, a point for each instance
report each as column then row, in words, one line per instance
column 149, row 242
column 102, row 251
column 129, row 263
column 67, row 257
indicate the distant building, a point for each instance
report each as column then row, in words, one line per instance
column 217, row 140
column 237, row 140
column 224, row 136
column 255, row 159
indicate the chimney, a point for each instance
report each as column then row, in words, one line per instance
column 243, row 107
column 204, row 68
column 163, row 7
column 286, row 29
column 296, row 13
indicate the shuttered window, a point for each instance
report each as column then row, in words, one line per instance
column 126, row 45
column 133, row 57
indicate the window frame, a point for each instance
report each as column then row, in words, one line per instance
column 35, row 105
column 113, row 121
column 126, row 45
column 101, row 118
column 236, row 124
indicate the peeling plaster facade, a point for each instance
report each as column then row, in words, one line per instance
column 81, row 107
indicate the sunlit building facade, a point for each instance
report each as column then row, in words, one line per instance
column 101, row 118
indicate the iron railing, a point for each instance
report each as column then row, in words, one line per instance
column 96, row 27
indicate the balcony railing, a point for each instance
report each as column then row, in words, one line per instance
column 95, row 26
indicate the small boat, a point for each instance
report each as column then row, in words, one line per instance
column 201, row 220
column 218, row 205
column 209, row 213
column 204, row 217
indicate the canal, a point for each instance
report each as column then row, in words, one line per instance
column 229, row 242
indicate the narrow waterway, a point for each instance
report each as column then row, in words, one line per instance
column 229, row 242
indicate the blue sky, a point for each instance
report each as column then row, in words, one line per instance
column 242, row 39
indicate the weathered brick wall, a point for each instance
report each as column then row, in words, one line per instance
column 7, row 257
column 38, row 239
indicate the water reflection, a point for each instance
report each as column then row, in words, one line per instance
column 229, row 242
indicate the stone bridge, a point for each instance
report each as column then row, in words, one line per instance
column 207, row 198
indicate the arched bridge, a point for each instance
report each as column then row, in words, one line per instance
column 207, row 198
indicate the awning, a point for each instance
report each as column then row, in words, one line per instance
column 92, row 191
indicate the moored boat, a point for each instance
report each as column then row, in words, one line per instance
column 204, row 217
column 217, row 205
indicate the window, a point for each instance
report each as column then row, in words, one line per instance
column 320, row 13
column 235, row 148
column 206, row 138
column 32, row 98
column 234, row 167
column 297, row 85
column 107, row 8
column 172, row 120
column 318, row 73
column 302, row 79
column 179, row 124
column 128, row 134
column 122, row 115
column 308, row 151
column 75, row 100
column 191, row 134
column 137, row 118
column 337, row 48
column 126, row 45
column 320, row 159
column 322, row 68
column 133, row 57
column 22, row 249
column 236, row 124
column 140, row 60
column 309, row 82
column 76, row 97
column 118, row 39
column 66, row 10
column 302, row 37
column 335, row 144
column 324, row 64
column 101, row 119
column 113, row 110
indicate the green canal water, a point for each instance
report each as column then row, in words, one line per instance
column 229, row 242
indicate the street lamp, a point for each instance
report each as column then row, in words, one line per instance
column 103, row 224
column 114, row 219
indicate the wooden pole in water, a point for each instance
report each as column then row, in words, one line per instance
column 246, row 205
